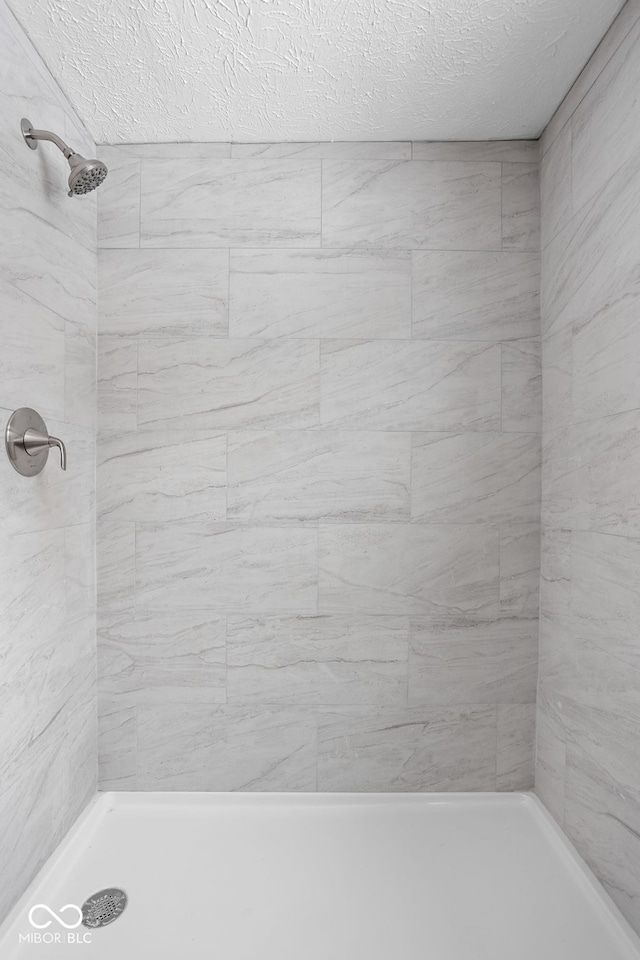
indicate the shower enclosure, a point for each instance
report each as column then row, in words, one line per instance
column 327, row 444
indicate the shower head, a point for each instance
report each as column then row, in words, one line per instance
column 85, row 175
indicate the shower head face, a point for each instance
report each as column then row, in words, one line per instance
column 85, row 175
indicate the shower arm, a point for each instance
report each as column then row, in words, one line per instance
column 33, row 135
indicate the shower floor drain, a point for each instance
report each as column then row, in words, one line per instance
column 103, row 907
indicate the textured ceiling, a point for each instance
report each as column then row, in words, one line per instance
column 265, row 70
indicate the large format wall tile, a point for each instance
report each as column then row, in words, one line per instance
column 228, row 384
column 516, row 730
column 199, row 747
column 337, row 150
column 163, row 293
column 589, row 670
column 607, row 465
column 438, row 205
column 320, row 400
column 320, row 293
column 117, row 383
column 405, row 385
column 410, row 749
column 522, row 387
column 157, row 474
column 119, row 205
column 475, row 478
column 48, row 330
column 164, row 657
column 520, row 569
column 507, row 151
column 226, row 567
column 520, row 206
column 475, row 295
column 473, row 661
column 317, row 660
column 583, row 272
column 310, row 475
column 405, row 568
column 556, row 205
column 223, row 203
column 605, row 125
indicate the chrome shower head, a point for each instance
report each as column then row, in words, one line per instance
column 85, row 175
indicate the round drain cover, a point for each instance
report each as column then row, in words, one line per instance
column 103, row 907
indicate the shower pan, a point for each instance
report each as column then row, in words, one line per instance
column 281, row 877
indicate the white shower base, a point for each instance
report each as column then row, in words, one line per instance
column 325, row 877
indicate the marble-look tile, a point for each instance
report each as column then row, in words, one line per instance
column 33, row 686
column 606, row 360
column 585, row 273
column 624, row 22
column 476, row 295
column 559, row 472
column 164, row 657
column 110, row 152
column 337, row 150
column 551, row 755
column 557, row 381
column 228, row 384
column 156, row 474
column 115, row 558
column 54, row 498
column 520, row 569
column 605, row 124
column 119, row 205
column 602, row 799
column 556, row 206
column 409, row 385
column 320, row 293
column 163, row 293
column 31, row 329
column 80, row 569
column 200, row 747
column 372, row 749
column 475, row 478
column 399, row 568
column 607, row 462
column 458, row 661
column 48, row 261
column 227, row 568
column 116, row 743
column 514, row 151
column 522, row 387
column 317, row 660
column 117, row 383
column 31, row 830
column 520, row 206
column 80, row 385
column 605, row 601
column 309, row 475
column 446, row 205
column 225, row 203
column 555, row 571
column 516, row 740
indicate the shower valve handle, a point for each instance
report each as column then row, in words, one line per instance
column 28, row 443
column 35, row 442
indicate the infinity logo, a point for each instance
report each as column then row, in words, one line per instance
column 56, row 916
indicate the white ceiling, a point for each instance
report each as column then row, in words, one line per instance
column 270, row 70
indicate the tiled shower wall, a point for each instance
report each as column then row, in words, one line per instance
column 589, row 697
column 319, row 466
column 48, row 728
